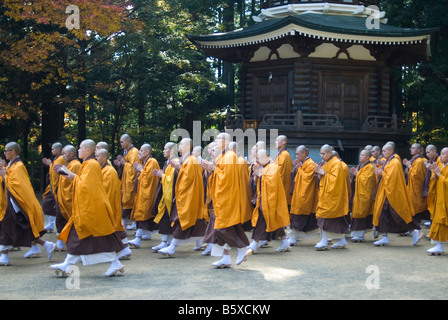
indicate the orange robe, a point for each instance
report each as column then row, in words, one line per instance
column 305, row 194
column 3, row 199
column 432, row 190
column 167, row 193
column 92, row 214
column 189, row 193
column 111, row 183
column 416, row 178
column 54, row 177
column 347, row 178
column 146, row 192
column 245, row 189
column 65, row 190
column 333, row 196
column 229, row 200
column 18, row 183
column 273, row 199
column 284, row 163
column 393, row 187
column 439, row 225
column 365, row 185
column 128, row 179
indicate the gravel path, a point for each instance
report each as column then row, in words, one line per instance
column 361, row 271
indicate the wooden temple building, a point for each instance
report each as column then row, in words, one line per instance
column 320, row 72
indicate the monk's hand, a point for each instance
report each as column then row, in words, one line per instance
column 378, row 171
column 57, row 167
column 137, row 167
column 297, row 163
column 257, row 170
column 157, row 173
column 46, row 161
column 2, row 171
column 407, row 163
column 207, row 165
column 436, row 169
column 175, row 163
column 354, row 171
column 319, row 170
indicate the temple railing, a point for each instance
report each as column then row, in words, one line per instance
column 317, row 122
column 386, row 124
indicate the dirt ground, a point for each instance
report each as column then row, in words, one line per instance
column 360, row 272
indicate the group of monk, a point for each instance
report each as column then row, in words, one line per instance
column 213, row 198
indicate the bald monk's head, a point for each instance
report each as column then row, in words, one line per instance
column 302, row 153
column 281, row 142
column 69, row 153
column 326, row 152
column 101, row 156
column 56, row 149
column 12, row 150
column 444, row 155
column 262, row 157
column 86, row 149
column 431, row 152
column 125, row 141
column 168, row 150
column 102, row 145
column 185, row 146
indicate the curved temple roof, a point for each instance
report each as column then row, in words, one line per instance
column 316, row 25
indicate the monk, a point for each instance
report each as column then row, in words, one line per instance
column 111, row 184
column 271, row 212
column 90, row 232
column 228, row 204
column 22, row 222
column 393, row 209
column 164, row 197
column 332, row 206
column 65, row 190
column 284, row 163
column 125, row 164
column 430, row 181
column 145, row 197
column 209, row 236
column 304, row 197
column 364, row 180
column 438, row 233
column 186, row 211
column 244, row 185
column 50, row 194
column 415, row 173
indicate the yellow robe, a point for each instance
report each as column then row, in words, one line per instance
column 432, row 190
column 18, row 183
column 305, row 195
column 393, row 187
column 111, row 183
column 167, row 193
column 92, row 213
column 273, row 199
column 227, row 195
column 284, row 163
column 416, row 177
column 244, row 186
column 65, row 190
column 3, row 199
column 128, row 179
column 146, row 192
column 54, row 177
column 439, row 225
column 189, row 193
column 365, row 185
column 333, row 196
